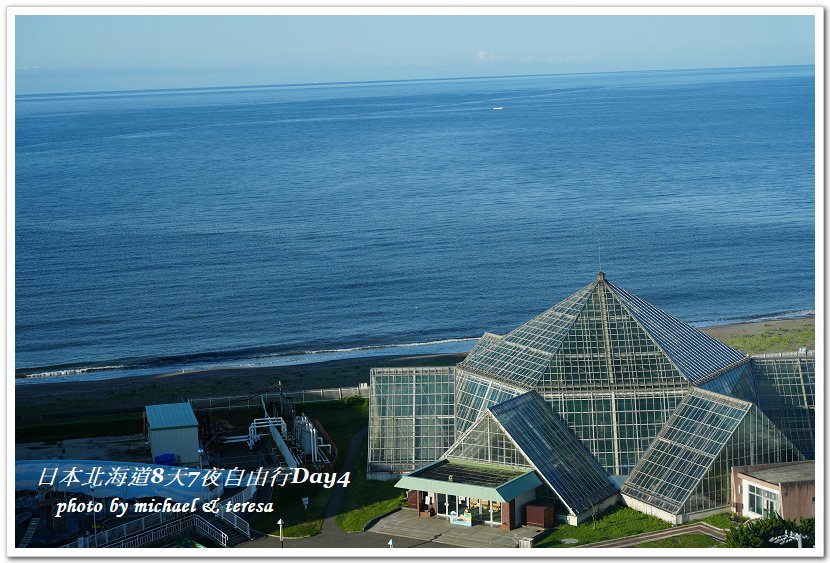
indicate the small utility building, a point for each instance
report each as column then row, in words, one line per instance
column 173, row 429
column 786, row 489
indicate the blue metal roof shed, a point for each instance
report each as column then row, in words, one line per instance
column 171, row 415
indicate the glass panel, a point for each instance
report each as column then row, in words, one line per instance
column 523, row 355
column 755, row 500
column 688, row 466
column 736, row 383
column 554, row 450
column 411, row 417
column 612, row 383
column 606, row 347
column 786, row 393
column 474, row 395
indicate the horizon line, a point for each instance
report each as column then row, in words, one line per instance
column 387, row 81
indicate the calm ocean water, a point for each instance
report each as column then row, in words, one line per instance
column 162, row 230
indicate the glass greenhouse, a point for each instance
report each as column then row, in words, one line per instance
column 616, row 370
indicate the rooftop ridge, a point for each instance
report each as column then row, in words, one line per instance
column 696, row 354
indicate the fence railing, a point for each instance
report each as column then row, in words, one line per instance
column 212, row 532
column 302, row 396
column 173, row 528
column 331, row 394
column 799, row 354
column 232, row 401
column 239, row 523
column 133, row 527
column 153, row 535
column 124, row 531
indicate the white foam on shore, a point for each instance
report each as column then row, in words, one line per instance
column 445, row 346
column 71, row 371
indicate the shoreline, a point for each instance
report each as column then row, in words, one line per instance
column 134, row 367
column 175, row 386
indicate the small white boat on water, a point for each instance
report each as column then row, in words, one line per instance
column 498, row 107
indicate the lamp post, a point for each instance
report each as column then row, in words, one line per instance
column 282, row 542
column 391, row 543
column 94, row 520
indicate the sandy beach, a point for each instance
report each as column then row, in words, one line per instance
column 90, row 397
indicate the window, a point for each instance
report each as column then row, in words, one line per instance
column 762, row 501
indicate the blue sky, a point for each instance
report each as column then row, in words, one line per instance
column 93, row 53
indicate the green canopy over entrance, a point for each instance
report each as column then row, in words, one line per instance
column 471, row 480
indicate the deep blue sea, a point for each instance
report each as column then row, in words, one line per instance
column 161, row 230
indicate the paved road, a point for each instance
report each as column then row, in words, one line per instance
column 631, row 541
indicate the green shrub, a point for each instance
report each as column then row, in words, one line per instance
column 354, row 400
column 757, row 533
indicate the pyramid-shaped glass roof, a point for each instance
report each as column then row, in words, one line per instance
column 607, row 348
column 596, row 334
column 487, row 442
column 523, row 356
column 684, row 468
column 696, row 354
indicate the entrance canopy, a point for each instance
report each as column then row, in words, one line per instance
column 471, row 480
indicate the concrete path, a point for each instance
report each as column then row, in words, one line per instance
column 406, row 523
column 631, row 541
column 345, row 541
column 330, row 526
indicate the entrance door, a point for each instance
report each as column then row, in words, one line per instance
column 452, row 504
column 440, row 504
column 445, row 505
column 495, row 513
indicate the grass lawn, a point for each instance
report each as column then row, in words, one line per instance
column 775, row 340
column 86, row 427
column 365, row 500
column 685, row 540
column 616, row 522
column 288, row 505
column 724, row 520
